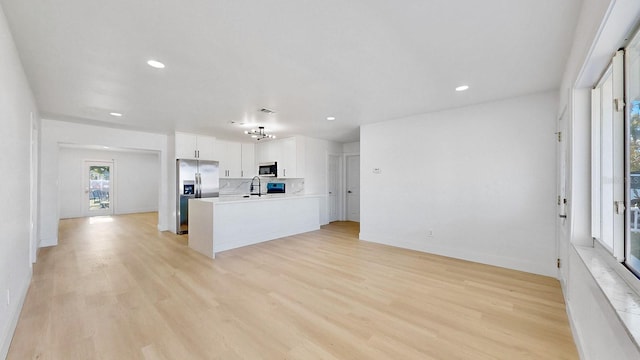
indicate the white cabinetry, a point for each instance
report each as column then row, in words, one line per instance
column 249, row 167
column 266, row 151
column 236, row 160
column 229, row 156
column 191, row 146
column 287, row 152
column 287, row 165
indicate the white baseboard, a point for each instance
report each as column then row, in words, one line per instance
column 162, row 227
column 489, row 259
column 14, row 317
column 49, row 242
column 135, row 211
column 574, row 329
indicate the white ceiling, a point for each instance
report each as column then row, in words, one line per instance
column 361, row 61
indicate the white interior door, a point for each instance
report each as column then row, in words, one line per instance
column 99, row 189
column 353, row 188
column 333, row 187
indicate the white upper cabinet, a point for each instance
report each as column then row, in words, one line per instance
column 191, row 146
column 229, row 157
column 249, row 166
column 206, row 147
column 287, row 152
column 287, row 163
column 186, row 146
column 267, row 151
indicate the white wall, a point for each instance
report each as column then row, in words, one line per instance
column 481, row 177
column 56, row 132
column 136, row 179
column 315, row 173
column 16, row 108
column 351, row 148
column 601, row 30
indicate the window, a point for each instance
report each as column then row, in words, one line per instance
column 632, row 87
column 608, row 160
column 616, row 157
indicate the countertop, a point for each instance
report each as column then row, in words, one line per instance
column 254, row 198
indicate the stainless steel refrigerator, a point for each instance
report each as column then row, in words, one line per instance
column 195, row 179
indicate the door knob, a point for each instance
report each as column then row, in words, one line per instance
column 349, row 191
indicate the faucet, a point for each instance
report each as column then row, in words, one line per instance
column 252, row 186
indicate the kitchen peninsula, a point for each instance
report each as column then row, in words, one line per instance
column 219, row 224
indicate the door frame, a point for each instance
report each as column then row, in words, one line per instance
column 563, row 218
column 34, row 185
column 85, row 187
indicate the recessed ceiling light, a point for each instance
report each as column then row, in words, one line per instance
column 331, row 118
column 156, row 64
column 105, row 147
column 116, row 114
column 462, row 88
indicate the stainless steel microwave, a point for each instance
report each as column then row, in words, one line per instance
column 268, row 169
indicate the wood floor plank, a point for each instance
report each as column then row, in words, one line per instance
column 116, row 288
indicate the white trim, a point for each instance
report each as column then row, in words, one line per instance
column 618, row 155
column 596, row 227
column 574, row 328
column 492, row 259
column 48, row 242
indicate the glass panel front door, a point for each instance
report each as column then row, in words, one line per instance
column 99, row 189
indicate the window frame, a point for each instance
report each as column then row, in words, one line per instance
column 630, row 262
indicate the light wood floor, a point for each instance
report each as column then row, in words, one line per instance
column 123, row 290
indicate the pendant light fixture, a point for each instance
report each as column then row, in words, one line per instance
column 259, row 134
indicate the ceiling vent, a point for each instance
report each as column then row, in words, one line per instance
column 267, row 111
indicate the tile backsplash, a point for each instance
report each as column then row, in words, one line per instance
column 241, row 186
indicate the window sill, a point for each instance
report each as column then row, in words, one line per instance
column 614, row 280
